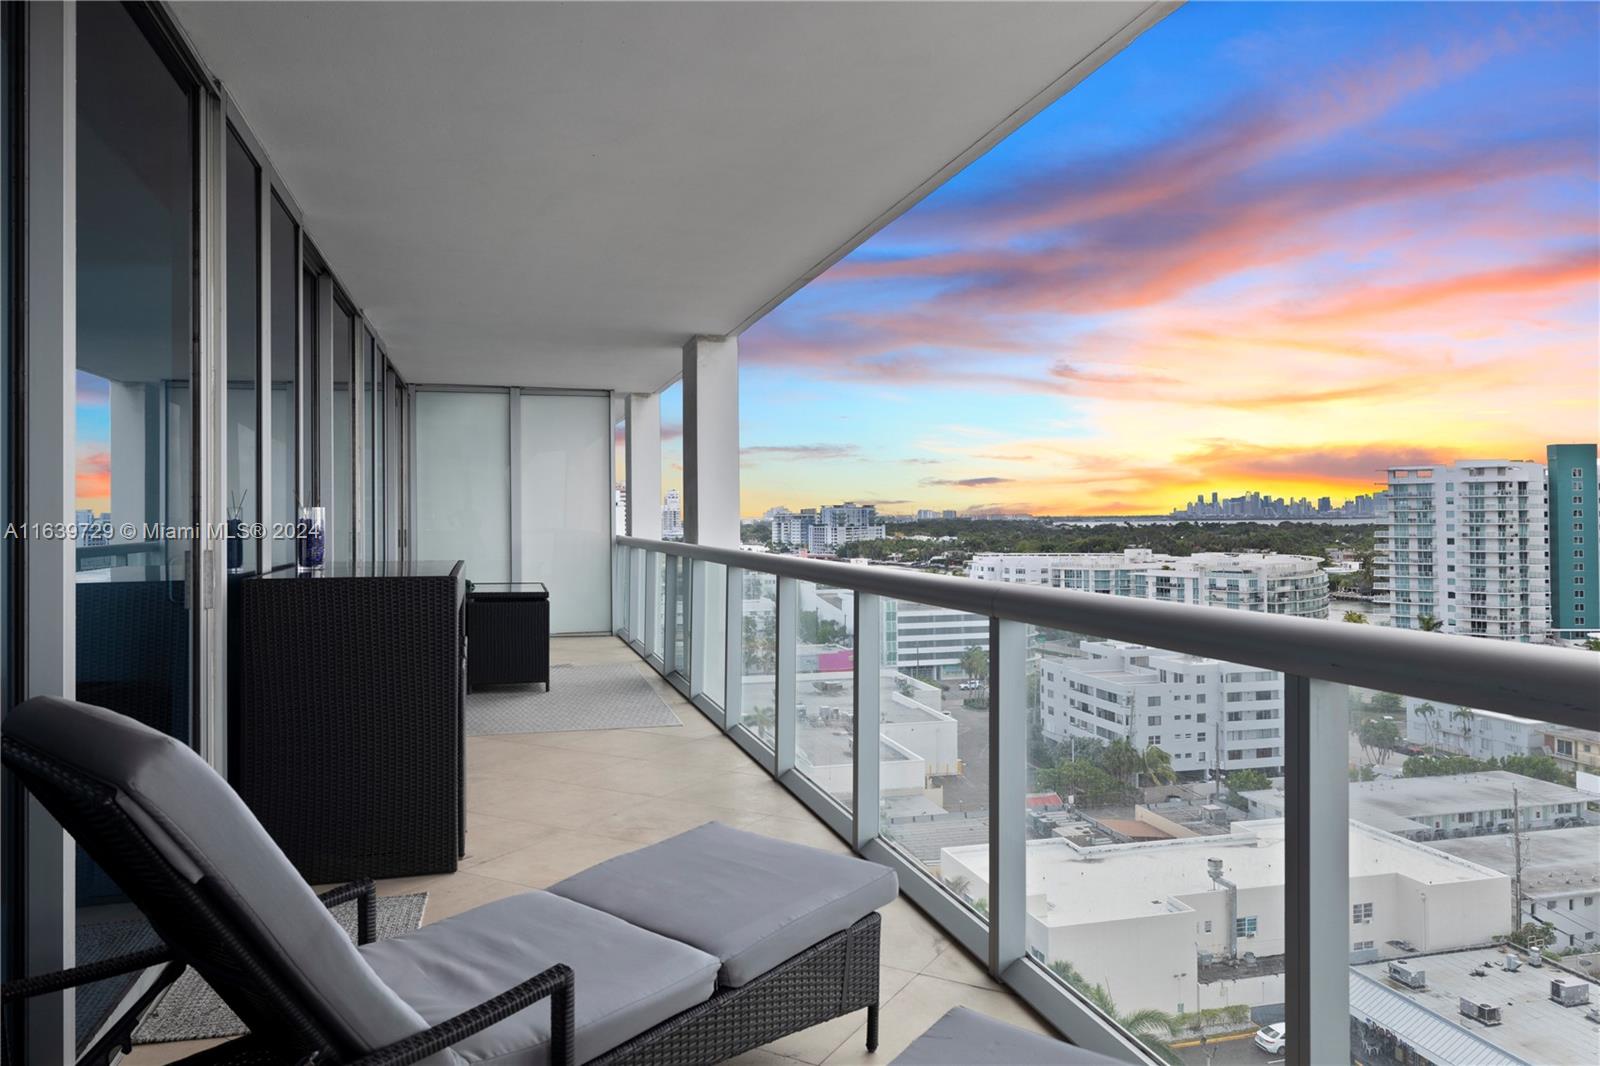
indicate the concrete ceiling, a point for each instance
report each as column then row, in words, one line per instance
column 561, row 194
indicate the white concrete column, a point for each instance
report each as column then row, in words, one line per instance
column 711, row 441
column 644, row 465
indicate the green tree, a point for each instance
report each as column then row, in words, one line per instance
column 1355, row 617
column 975, row 662
column 1386, row 703
column 1088, row 784
column 1430, row 720
column 1464, row 716
column 1152, row 1028
column 1429, row 624
column 1362, row 773
column 1542, row 767
column 1592, row 644
column 1378, row 737
column 1157, row 766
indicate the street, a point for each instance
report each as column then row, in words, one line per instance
column 1228, row 1051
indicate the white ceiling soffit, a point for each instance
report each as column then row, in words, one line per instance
column 561, row 194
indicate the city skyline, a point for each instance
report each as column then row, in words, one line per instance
column 1260, row 276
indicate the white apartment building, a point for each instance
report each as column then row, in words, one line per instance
column 1250, row 581
column 929, row 641
column 1202, row 712
column 1467, row 544
column 1149, row 922
column 825, row 539
column 1466, row 731
column 1016, row 568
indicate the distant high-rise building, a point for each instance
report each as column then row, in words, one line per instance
column 619, row 506
column 949, row 515
column 672, row 516
column 1466, row 547
column 1573, row 518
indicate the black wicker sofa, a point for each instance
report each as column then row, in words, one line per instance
column 689, row 951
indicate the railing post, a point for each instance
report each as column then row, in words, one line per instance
column 733, row 663
column 669, row 615
column 1008, row 790
column 638, row 572
column 868, row 670
column 1317, row 871
column 652, row 565
column 695, row 646
column 788, row 633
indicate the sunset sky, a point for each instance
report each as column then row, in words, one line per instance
column 1271, row 247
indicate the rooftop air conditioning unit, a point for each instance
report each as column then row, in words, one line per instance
column 1409, row 976
column 1487, row 1013
column 1569, row 991
column 1513, row 964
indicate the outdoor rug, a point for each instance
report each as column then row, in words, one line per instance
column 189, row 1010
column 610, row 696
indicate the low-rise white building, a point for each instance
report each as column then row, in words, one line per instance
column 1467, row 731
column 1202, row 712
column 1159, row 927
column 1450, row 806
column 1248, row 581
column 1560, row 878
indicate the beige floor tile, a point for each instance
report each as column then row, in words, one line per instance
column 923, row 1001
column 489, row 837
column 910, row 940
column 750, row 795
column 553, row 803
column 451, row 894
column 954, row 964
column 552, row 858
column 646, row 822
column 797, row 831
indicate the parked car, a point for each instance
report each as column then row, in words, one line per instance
column 1272, row 1038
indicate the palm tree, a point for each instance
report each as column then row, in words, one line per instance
column 1465, row 716
column 1355, row 617
column 1122, row 760
column 975, row 662
column 759, row 720
column 1430, row 718
column 1158, row 766
column 1152, row 1028
column 958, row 885
column 1429, row 624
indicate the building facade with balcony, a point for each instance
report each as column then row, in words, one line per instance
column 1248, row 581
column 1466, row 549
column 1573, row 518
column 1203, row 713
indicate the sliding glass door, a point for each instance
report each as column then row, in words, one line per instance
column 136, row 403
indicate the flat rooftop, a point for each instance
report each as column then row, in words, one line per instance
column 1533, row 1029
column 1111, row 882
column 1395, row 803
column 1554, row 861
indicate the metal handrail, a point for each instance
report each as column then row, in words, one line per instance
column 1555, row 685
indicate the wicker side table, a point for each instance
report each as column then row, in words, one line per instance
column 508, row 634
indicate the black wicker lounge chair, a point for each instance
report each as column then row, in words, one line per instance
column 690, row 951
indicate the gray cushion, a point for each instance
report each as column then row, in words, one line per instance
column 963, row 1037
column 199, row 824
column 750, row 900
column 625, row 979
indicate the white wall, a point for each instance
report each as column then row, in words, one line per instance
column 566, row 507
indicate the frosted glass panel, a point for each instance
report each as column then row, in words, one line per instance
column 464, row 481
column 566, row 507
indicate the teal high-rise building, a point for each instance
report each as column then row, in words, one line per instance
column 1573, row 607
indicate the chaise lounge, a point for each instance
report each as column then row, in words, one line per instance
column 689, row 951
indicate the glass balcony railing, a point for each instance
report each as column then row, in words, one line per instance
column 1162, row 834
